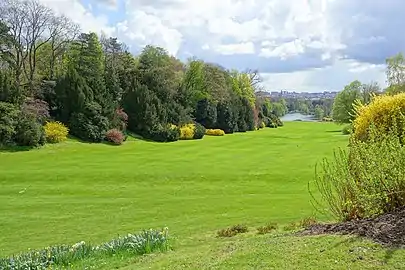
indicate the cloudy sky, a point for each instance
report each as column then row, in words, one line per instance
column 302, row 45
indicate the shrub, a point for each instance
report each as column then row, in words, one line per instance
column 367, row 181
column 187, row 132
column 267, row 228
column 36, row 107
column 347, row 129
column 262, row 125
column 8, row 121
column 232, row 231
column 206, row 113
column 55, row 132
column 120, row 120
column 199, row 131
column 307, row 222
column 168, row 133
column 266, row 121
column 273, row 121
column 29, row 132
column 63, row 256
column 89, row 125
column 291, row 226
column 327, row 119
column 114, row 136
column 385, row 113
column 214, row 132
column 227, row 117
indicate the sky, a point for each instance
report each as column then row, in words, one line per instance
column 301, row 45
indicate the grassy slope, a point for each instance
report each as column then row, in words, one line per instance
column 75, row 191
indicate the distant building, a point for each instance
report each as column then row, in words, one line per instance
column 302, row 95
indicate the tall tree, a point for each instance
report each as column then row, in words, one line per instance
column 319, row 112
column 62, row 31
column 28, row 22
column 87, row 56
column 72, row 93
column 368, row 91
column 343, row 106
column 396, row 74
column 6, row 45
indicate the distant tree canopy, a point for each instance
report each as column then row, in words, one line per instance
column 344, row 104
column 309, row 106
column 396, row 74
column 89, row 82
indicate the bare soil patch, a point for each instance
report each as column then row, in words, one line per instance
column 387, row 229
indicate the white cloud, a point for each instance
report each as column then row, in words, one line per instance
column 79, row 14
column 236, row 48
column 331, row 78
column 284, row 50
column 142, row 29
column 293, row 25
column 293, row 36
column 358, row 67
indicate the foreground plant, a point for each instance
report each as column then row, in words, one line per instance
column 366, row 181
column 268, row 228
column 64, row 255
column 232, row 231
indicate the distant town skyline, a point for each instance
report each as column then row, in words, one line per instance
column 295, row 94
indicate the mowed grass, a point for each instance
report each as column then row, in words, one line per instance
column 75, row 191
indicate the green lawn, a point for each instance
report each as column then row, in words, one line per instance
column 75, row 191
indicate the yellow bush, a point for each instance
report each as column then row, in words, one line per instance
column 187, row 132
column 262, row 125
column 214, row 132
column 55, row 132
column 385, row 113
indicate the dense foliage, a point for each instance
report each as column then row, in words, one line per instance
column 317, row 107
column 385, row 114
column 55, row 132
column 114, row 136
column 214, row 132
column 94, row 84
column 366, row 181
column 344, row 109
column 8, row 122
column 29, row 132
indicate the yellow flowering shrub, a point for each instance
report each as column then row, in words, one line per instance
column 215, row 132
column 187, row 132
column 385, row 113
column 55, row 132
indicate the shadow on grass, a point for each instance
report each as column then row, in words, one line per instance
column 129, row 137
column 353, row 238
column 14, row 149
column 334, row 131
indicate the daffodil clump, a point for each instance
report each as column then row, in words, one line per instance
column 145, row 242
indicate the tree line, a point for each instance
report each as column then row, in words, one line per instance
column 49, row 69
